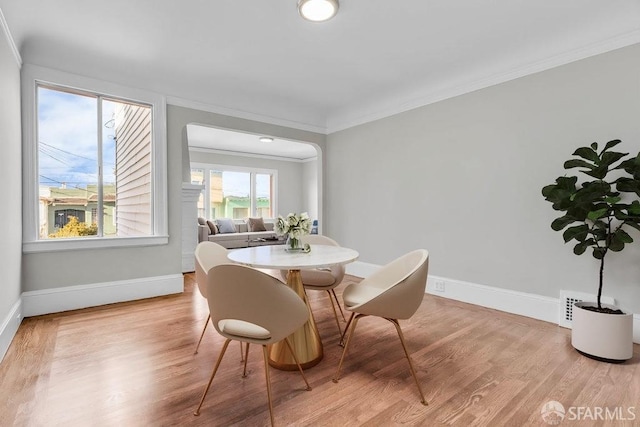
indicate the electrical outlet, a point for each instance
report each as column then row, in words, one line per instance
column 438, row 286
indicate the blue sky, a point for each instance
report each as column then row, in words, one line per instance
column 68, row 143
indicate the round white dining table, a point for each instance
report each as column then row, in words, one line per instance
column 305, row 341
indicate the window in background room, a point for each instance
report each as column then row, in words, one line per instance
column 235, row 192
column 263, row 195
column 94, row 158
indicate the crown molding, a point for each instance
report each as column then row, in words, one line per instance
column 186, row 103
column 355, row 116
column 12, row 44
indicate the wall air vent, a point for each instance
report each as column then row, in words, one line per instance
column 568, row 298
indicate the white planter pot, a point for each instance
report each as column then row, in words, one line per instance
column 601, row 335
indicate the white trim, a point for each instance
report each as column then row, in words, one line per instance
column 92, row 243
column 252, row 155
column 348, row 118
column 31, row 75
column 55, row 300
column 521, row 303
column 515, row 302
column 9, row 327
column 12, row 43
column 216, row 109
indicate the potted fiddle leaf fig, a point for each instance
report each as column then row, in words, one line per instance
column 598, row 211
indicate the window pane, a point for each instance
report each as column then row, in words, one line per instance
column 236, row 187
column 67, row 162
column 127, row 169
column 93, row 184
column 230, row 194
column 263, row 195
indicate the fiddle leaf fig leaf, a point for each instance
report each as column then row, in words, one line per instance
column 560, row 223
column 587, row 153
column 578, row 163
column 599, row 253
column 581, row 247
column 611, row 157
column 622, row 236
column 579, row 232
column 634, row 208
column 612, row 200
column 628, row 185
column 593, row 215
column 609, row 144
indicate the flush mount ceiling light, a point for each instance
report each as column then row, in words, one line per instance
column 265, row 139
column 318, row 10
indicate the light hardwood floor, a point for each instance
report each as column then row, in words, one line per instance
column 132, row 364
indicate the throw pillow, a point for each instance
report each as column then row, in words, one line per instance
column 213, row 229
column 226, row 225
column 201, row 221
column 256, row 224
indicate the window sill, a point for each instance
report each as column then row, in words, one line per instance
column 92, row 243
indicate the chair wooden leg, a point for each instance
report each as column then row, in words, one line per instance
column 335, row 313
column 346, row 329
column 297, row 363
column 413, row 371
column 336, row 377
column 213, row 374
column 202, row 334
column 246, row 357
column 265, row 355
column 338, row 303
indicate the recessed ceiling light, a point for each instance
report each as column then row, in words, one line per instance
column 265, row 139
column 318, row 10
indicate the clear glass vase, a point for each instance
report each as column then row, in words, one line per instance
column 293, row 244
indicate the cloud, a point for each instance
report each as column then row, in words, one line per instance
column 68, row 142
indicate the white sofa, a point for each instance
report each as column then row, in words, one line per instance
column 242, row 237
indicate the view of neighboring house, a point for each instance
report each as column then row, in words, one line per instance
column 125, row 204
column 58, row 205
column 225, row 203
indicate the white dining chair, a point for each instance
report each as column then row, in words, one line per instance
column 323, row 279
column 393, row 292
column 250, row 306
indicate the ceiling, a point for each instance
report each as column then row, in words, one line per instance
column 231, row 142
column 259, row 59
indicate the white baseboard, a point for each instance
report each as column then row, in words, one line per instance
column 521, row 303
column 9, row 327
column 55, row 300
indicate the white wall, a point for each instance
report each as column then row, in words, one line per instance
column 10, row 193
column 463, row 178
column 311, row 188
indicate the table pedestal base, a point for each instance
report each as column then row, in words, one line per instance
column 305, row 341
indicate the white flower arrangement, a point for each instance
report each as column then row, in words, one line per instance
column 294, row 226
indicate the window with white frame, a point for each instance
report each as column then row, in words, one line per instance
column 95, row 152
column 234, row 192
